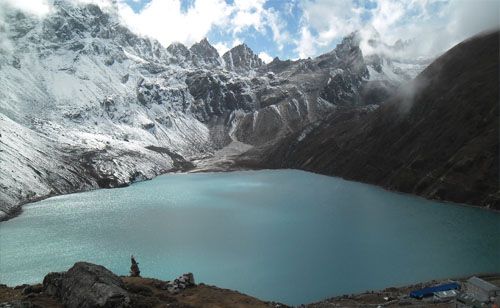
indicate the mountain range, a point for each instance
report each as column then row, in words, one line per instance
column 437, row 136
column 85, row 103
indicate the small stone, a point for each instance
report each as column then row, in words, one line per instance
column 190, row 279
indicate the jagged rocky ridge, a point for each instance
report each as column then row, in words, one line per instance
column 436, row 137
column 90, row 285
column 85, row 103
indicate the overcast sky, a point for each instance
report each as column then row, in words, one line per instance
column 299, row 28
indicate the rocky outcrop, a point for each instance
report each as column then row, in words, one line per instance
column 242, row 59
column 87, row 285
column 216, row 95
column 91, row 285
column 183, row 282
column 206, row 52
column 180, row 53
column 345, row 81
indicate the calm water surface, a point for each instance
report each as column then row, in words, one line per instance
column 288, row 236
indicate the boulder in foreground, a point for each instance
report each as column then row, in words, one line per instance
column 87, row 285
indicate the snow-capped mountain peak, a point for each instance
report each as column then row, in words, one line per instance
column 242, row 58
column 206, row 52
column 85, row 102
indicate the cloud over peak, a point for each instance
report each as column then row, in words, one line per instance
column 297, row 28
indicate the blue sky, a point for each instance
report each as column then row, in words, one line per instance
column 263, row 41
column 303, row 28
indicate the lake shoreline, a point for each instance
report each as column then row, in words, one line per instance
column 216, row 166
column 236, row 156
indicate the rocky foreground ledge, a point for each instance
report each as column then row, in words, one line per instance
column 88, row 285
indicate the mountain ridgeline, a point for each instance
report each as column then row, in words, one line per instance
column 85, row 103
column 436, row 137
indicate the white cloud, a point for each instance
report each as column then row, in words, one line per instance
column 221, row 47
column 164, row 20
column 237, row 41
column 252, row 14
column 331, row 19
column 306, row 43
column 323, row 22
column 34, row 7
column 37, row 8
column 467, row 18
column 278, row 26
column 436, row 31
column 387, row 14
column 264, row 56
column 435, row 25
column 248, row 14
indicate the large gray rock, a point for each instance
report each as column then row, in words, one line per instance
column 87, row 285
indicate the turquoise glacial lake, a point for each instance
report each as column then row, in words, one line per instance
column 286, row 235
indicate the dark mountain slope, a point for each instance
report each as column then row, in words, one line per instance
column 438, row 137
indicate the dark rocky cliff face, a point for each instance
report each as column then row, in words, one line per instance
column 438, row 137
column 206, row 52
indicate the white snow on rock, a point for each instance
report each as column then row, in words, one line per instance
column 85, row 103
